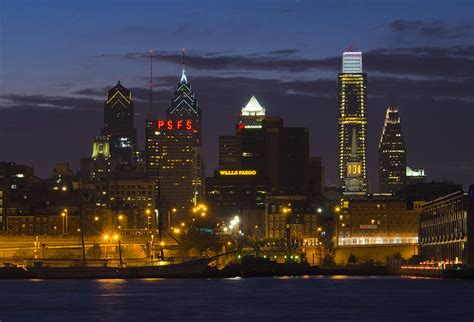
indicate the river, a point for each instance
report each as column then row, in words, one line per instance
column 339, row 298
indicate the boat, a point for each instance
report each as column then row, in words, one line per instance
column 97, row 269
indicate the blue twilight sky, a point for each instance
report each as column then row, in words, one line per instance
column 57, row 58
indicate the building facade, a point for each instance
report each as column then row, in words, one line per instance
column 352, row 98
column 231, row 192
column 176, row 170
column 228, row 152
column 447, row 229
column 131, row 201
column 354, row 181
column 377, row 221
column 289, row 219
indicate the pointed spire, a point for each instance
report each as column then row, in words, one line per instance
column 354, row 143
column 183, row 67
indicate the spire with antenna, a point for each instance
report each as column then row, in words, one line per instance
column 183, row 67
column 354, row 143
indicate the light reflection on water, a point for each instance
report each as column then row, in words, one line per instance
column 305, row 298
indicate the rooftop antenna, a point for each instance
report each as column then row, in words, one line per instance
column 183, row 66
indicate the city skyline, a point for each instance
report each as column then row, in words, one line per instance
column 424, row 75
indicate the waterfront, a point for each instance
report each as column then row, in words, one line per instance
column 264, row 299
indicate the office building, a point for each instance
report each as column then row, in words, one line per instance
column 277, row 152
column 291, row 220
column 176, row 161
column 14, row 182
column 131, row 198
column 118, row 123
column 231, row 192
column 315, row 177
column 447, row 229
column 414, row 176
column 228, row 152
column 392, row 154
column 101, row 164
column 184, row 109
column 375, row 228
column 352, row 98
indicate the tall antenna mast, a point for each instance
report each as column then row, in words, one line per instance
column 183, row 66
column 183, row 62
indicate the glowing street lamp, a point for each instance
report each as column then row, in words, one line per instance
column 64, row 216
column 172, row 210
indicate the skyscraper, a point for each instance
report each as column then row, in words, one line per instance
column 392, row 153
column 100, row 165
column 228, row 152
column 176, row 168
column 184, row 107
column 251, row 115
column 118, row 123
column 352, row 97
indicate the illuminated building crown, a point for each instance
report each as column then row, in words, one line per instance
column 119, row 94
column 352, row 62
column 253, row 108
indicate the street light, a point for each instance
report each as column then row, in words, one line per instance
column 200, row 208
column 117, row 238
column 148, row 213
column 106, row 239
column 173, row 210
column 64, row 216
column 320, row 210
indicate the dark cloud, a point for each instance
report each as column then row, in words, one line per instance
column 450, row 61
column 42, row 102
column 435, row 29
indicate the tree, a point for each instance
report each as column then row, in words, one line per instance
column 352, row 259
column 205, row 243
column 94, row 252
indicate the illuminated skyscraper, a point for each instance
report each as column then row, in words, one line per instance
column 352, row 97
column 392, row 153
column 252, row 115
column 100, row 165
column 118, row 123
column 176, row 170
column 184, row 107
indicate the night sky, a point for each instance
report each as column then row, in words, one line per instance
column 58, row 58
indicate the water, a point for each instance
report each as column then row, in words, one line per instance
column 256, row 299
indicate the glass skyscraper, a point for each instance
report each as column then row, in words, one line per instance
column 352, row 98
column 392, row 153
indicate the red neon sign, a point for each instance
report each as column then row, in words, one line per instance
column 183, row 125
